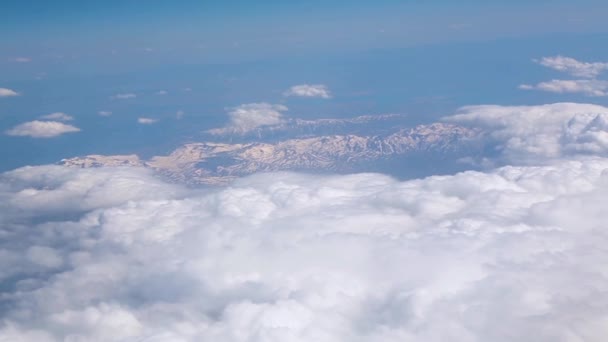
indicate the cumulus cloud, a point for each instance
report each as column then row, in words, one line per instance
column 247, row 117
column 147, row 121
column 586, row 87
column 57, row 116
column 41, row 129
column 573, row 66
column 124, row 96
column 115, row 254
column 104, row 113
column 5, row 92
column 309, row 90
column 533, row 134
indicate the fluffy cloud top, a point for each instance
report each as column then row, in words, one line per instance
column 309, row 90
column 587, row 87
column 247, row 117
column 147, row 121
column 124, row 96
column 5, row 92
column 41, row 129
column 533, row 134
column 574, row 67
column 117, row 255
column 57, row 116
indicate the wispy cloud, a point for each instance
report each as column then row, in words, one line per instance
column 586, row 87
column 41, row 129
column 124, row 96
column 309, row 90
column 5, row 92
column 162, row 92
column 573, row 67
column 58, row 116
column 104, row 113
column 146, row 121
column 21, row 59
column 250, row 116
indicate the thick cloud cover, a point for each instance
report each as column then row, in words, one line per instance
column 516, row 254
column 536, row 134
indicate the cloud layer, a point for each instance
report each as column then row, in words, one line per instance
column 309, row 90
column 574, row 67
column 117, row 255
column 537, row 134
column 247, row 117
column 41, row 129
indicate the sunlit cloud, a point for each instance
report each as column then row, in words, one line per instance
column 573, row 67
column 309, row 90
column 5, row 92
column 539, row 134
column 247, row 117
column 41, row 129
column 117, row 254
column 146, row 121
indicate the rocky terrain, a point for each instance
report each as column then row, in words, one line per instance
column 219, row 162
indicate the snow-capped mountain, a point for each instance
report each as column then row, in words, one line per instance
column 220, row 162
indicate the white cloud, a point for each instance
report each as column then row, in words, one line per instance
column 533, row 134
column 162, row 92
column 5, row 92
column 57, row 116
column 115, row 254
column 124, row 96
column 147, row 121
column 587, row 87
column 247, row 117
column 309, row 90
column 104, row 113
column 41, row 129
column 573, row 67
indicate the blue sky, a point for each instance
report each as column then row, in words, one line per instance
column 413, row 57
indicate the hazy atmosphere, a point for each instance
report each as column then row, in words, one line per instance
column 303, row 171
